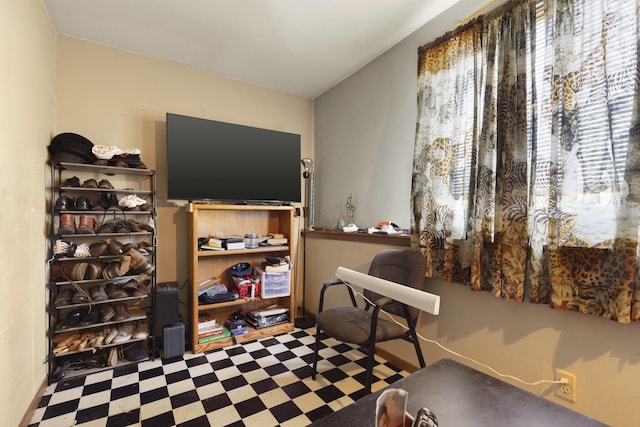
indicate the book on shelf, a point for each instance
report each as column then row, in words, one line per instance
column 234, row 245
column 213, row 244
column 277, row 239
column 280, row 268
column 224, row 242
column 208, row 325
column 206, row 321
column 224, row 334
column 276, row 265
column 216, row 330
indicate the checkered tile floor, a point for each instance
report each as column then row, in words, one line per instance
column 258, row 383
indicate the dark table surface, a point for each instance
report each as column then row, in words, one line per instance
column 460, row 396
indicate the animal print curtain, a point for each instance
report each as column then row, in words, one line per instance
column 541, row 198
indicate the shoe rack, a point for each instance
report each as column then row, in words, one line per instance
column 101, row 268
column 207, row 220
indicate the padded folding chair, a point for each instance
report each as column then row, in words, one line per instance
column 364, row 326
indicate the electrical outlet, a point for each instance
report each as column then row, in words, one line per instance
column 566, row 390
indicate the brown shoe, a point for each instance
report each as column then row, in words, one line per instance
column 94, row 271
column 117, row 269
column 98, row 294
column 134, row 226
column 115, row 247
column 77, row 271
column 124, row 265
column 63, row 298
column 139, row 263
column 115, row 292
column 106, row 313
column 143, row 288
column 98, row 249
column 121, row 312
column 87, row 225
column 105, row 184
column 67, row 224
column 90, row 183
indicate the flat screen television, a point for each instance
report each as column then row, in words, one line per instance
column 208, row 160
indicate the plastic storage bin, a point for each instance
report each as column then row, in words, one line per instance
column 275, row 284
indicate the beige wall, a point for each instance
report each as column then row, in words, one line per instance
column 117, row 98
column 27, row 85
column 525, row 340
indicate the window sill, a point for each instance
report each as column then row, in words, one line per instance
column 396, row 240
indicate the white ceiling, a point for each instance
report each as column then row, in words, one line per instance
column 303, row 47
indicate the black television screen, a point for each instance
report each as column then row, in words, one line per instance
column 211, row 160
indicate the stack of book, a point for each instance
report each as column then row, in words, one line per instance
column 213, row 244
column 210, row 330
column 221, row 243
column 268, row 317
column 276, row 239
column 276, row 265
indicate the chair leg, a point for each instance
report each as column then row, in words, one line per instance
column 315, row 353
column 416, row 344
column 370, row 357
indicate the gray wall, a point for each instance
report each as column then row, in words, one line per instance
column 364, row 132
column 364, row 144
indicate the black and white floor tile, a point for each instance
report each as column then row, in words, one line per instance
column 259, row 383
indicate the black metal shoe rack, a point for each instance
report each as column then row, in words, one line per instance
column 101, row 269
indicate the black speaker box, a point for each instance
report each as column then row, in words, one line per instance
column 166, row 307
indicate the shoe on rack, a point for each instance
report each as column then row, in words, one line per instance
column 74, row 181
column 90, row 318
column 124, row 265
column 87, row 225
column 107, row 228
column 115, row 292
column 98, row 340
column 115, row 247
column 143, row 288
column 141, row 331
column 121, row 312
column 90, row 183
column 139, row 263
column 110, row 334
column 94, row 271
column 130, row 286
column 121, row 227
column 83, row 204
column 133, row 225
column 67, row 224
column 64, row 203
column 64, row 342
column 80, row 296
column 105, row 184
column 112, row 358
column 117, row 269
column 82, row 251
column 63, row 298
column 98, row 249
column 124, row 333
column 106, row 313
column 97, row 293
column 72, row 319
column 135, row 353
column 77, row 271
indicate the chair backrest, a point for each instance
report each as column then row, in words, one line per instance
column 403, row 266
